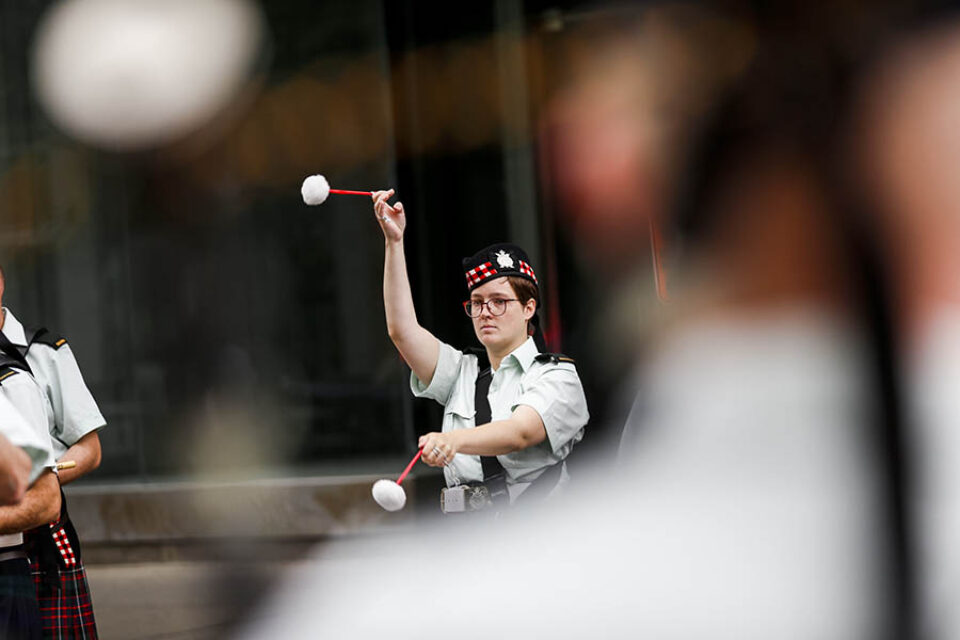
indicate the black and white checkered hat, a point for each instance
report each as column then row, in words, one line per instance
column 497, row 261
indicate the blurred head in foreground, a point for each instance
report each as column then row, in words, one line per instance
column 613, row 132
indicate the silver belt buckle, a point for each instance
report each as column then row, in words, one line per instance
column 464, row 498
column 453, row 499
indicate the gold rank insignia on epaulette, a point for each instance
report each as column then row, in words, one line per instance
column 555, row 358
column 45, row 337
column 6, row 372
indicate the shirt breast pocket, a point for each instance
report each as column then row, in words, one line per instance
column 457, row 415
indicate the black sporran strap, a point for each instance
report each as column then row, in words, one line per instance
column 481, row 404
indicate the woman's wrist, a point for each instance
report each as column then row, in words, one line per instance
column 456, row 439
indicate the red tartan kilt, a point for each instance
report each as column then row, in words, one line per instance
column 66, row 612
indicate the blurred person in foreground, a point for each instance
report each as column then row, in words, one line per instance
column 14, row 468
column 747, row 502
column 24, row 454
column 758, row 380
column 72, row 429
column 511, row 413
column 907, row 152
column 757, row 395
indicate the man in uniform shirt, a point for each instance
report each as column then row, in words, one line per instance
column 75, row 419
column 19, row 611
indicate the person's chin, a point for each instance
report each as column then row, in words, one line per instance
column 488, row 337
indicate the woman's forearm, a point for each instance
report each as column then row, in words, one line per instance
column 501, row 436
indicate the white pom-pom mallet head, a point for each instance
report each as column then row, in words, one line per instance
column 389, row 494
column 315, row 190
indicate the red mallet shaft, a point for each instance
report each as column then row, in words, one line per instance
column 410, row 466
column 352, row 193
column 389, row 494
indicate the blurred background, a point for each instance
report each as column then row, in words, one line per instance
column 181, row 261
column 666, row 165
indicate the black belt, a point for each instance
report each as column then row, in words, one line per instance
column 497, row 487
column 12, row 553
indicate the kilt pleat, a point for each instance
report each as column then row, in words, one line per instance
column 67, row 612
column 66, row 608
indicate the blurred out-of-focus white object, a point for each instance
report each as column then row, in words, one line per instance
column 389, row 495
column 133, row 74
column 315, row 189
column 933, row 372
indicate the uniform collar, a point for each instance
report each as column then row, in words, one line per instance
column 524, row 354
column 13, row 329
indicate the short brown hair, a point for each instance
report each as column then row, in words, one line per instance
column 525, row 291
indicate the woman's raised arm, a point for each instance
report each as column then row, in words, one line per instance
column 419, row 347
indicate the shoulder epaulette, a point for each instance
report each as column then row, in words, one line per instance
column 45, row 337
column 555, row 358
column 6, row 371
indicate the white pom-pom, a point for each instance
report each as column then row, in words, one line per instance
column 389, row 495
column 315, row 190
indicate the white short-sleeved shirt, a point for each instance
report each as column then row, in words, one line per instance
column 23, row 418
column 553, row 390
column 74, row 412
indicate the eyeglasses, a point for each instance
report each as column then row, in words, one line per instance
column 496, row 306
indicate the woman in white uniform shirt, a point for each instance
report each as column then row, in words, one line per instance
column 537, row 406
